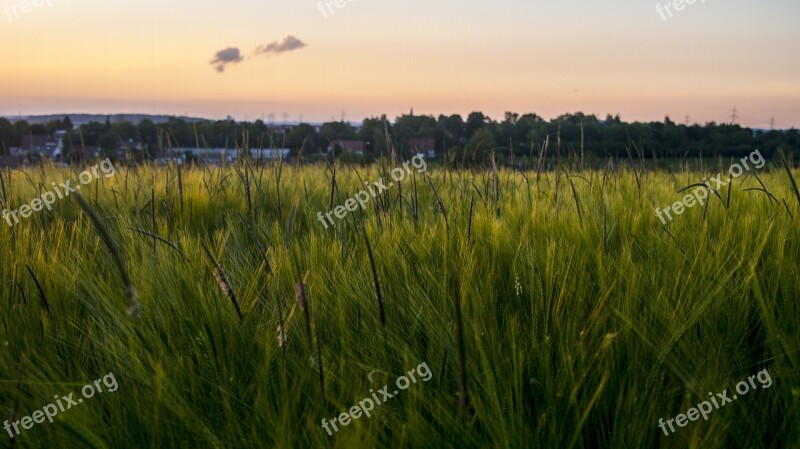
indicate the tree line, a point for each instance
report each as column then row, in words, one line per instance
column 466, row 140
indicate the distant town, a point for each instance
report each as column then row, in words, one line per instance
column 182, row 140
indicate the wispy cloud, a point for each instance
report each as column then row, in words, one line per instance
column 285, row 44
column 230, row 55
column 233, row 55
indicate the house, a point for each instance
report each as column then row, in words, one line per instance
column 44, row 146
column 84, row 153
column 350, row 146
column 215, row 156
column 176, row 157
column 12, row 161
column 270, row 153
column 130, row 145
column 423, row 145
column 125, row 148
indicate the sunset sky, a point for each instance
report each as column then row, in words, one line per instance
column 387, row 56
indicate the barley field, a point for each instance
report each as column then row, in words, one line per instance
column 551, row 308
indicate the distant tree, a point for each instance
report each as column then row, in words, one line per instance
column 407, row 126
column 6, row 136
column 673, row 138
column 615, row 137
column 108, row 141
column 530, row 131
column 412, row 126
column 21, row 129
column 69, row 145
column 125, row 130
column 258, row 134
column 89, row 133
column 338, row 130
column 180, row 133
column 52, row 126
column 479, row 144
column 451, row 131
column 147, row 133
column 475, row 121
column 373, row 132
column 38, row 130
column 506, row 132
column 303, row 136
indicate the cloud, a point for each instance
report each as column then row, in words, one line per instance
column 233, row 55
column 286, row 43
column 230, row 55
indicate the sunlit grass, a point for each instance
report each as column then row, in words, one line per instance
column 578, row 332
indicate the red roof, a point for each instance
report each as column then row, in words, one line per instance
column 422, row 144
column 356, row 146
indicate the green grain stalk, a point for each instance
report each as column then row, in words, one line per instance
column 381, row 311
column 223, row 281
column 102, row 230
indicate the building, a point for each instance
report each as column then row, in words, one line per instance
column 124, row 148
column 423, row 145
column 214, row 156
column 84, row 153
column 270, row 153
column 350, row 146
column 43, row 146
column 12, row 161
column 174, row 156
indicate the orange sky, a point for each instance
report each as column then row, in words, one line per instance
column 382, row 56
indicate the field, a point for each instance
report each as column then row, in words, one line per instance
column 551, row 309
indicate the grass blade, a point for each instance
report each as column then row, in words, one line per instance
column 223, row 281
column 133, row 304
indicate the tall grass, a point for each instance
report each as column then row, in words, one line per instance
column 564, row 321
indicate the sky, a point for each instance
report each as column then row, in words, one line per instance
column 299, row 58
